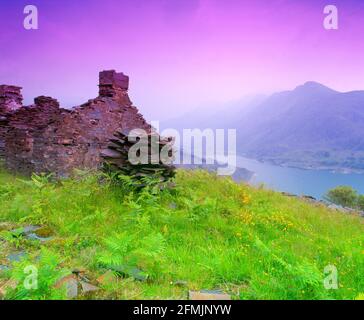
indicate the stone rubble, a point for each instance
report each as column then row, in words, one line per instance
column 32, row 232
column 76, row 285
column 208, row 295
column 107, row 278
column 70, row 283
column 117, row 156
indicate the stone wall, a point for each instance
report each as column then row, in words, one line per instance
column 10, row 101
column 46, row 138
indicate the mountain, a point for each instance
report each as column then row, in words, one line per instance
column 311, row 126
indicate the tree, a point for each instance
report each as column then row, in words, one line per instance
column 360, row 202
column 344, row 196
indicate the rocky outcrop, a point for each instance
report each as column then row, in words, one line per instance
column 44, row 137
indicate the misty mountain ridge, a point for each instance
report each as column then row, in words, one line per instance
column 312, row 126
column 223, row 115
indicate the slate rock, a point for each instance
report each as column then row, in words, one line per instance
column 116, row 158
column 70, row 283
column 24, row 231
column 87, row 287
column 208, row 295
column 32, row 232
column 134, row 272
column 107, row 278
column 34, row 236
column 16, row 256
column 4, row 267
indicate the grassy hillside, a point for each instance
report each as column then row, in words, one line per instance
column 207, row 233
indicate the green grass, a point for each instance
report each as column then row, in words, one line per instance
column 208, row 231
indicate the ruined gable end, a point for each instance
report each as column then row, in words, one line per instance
column 44, row 137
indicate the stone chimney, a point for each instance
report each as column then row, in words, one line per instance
column 113, row 84
column 11, row 98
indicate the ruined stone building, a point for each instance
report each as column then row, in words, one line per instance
column 44, row 137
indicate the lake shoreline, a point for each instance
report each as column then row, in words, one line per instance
column 300, row 181
column 288, row 164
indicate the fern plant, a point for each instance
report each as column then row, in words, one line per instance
column 7, row 190
column 38, row 181
column 46, row 273
column 133, row 254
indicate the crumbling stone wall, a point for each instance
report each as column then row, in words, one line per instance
column 46, row 138
column 10, row 101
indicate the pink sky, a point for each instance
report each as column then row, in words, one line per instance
column 180, row 54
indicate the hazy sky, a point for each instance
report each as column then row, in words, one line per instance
column 180, row 54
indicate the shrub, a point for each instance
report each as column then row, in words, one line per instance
column 343, row 195
column 360, row 202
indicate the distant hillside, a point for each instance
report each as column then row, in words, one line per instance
column 311, row 126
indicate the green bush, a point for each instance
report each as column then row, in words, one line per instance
column 343, row 195
column 360, row 202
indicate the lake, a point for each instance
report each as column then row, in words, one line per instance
column 298, row 181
